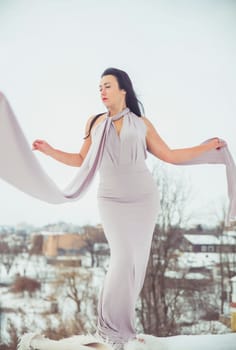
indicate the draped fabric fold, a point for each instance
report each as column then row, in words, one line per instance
column 20, row 167
column 221, row 156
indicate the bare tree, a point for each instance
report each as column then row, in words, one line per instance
column 8, row 255
column 37, row 245
column 91, row 236
column 77, row 286
column 227, row 261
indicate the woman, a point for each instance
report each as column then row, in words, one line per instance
column 127, row 197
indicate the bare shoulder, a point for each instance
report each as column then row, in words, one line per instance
column 91, row 118
column 148, row 123
column 100, row 119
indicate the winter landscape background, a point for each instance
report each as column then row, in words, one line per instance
column 50, row 276
column 181, row 57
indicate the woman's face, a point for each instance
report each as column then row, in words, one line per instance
column 111, row 95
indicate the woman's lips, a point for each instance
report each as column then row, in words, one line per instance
column 104, row 98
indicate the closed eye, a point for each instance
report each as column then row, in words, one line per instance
column 106, row 86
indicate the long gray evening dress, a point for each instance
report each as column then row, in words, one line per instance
column 128, row 203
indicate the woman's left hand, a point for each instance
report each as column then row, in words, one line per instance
column 217, row 143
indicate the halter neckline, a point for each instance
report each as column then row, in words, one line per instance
column 119, row 115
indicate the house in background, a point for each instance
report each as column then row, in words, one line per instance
column 208, row 243
column 64, row 249
column 63, row 244
column 215, row 253
column 73, row 249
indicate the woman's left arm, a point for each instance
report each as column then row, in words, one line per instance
column 161, row 150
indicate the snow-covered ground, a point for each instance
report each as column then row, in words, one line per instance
column 149, row 342
column 35, row 313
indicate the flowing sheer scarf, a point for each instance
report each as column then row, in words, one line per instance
column 20, row 167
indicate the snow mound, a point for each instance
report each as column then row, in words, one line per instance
column 181, row 342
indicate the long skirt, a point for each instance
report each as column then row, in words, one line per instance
column 128, row 202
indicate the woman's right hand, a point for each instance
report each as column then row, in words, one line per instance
column 42, row 146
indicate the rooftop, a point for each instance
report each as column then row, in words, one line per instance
column 210, row 239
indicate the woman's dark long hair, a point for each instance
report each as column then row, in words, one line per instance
column 131, row 99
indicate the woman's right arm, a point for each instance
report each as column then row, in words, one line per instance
column 72, row 159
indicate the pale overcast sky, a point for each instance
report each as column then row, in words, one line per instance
column 180, row 56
